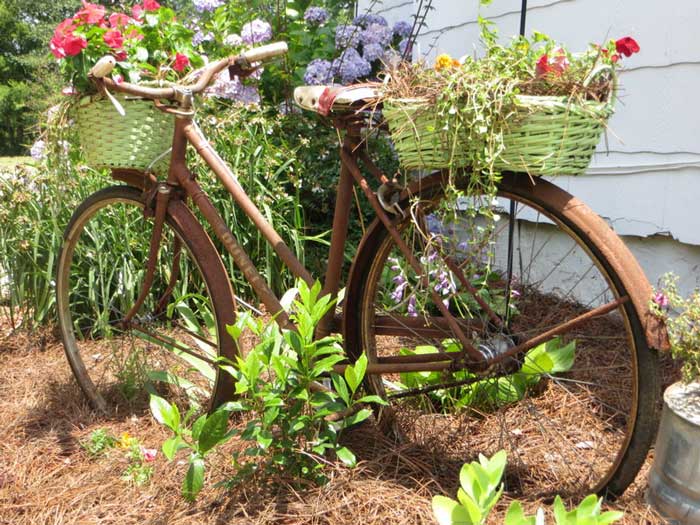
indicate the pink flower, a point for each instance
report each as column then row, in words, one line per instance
column 118, row 79
column 181, row 62
column 90, row 13
column 137, row 11
column 119, row 20
column 149, row 454
column 134, row 34
column 661, row 300
column 114, row 38
column 151, row 5
column 64, row 42
column 121, row 56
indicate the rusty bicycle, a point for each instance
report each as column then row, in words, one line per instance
column 542, row 343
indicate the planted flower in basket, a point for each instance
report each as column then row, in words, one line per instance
column 147, row 43
column 530, row 106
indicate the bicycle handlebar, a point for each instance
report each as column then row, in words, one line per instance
column 245, row 61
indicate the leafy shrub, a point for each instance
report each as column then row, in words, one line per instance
column 552, row 357
column 291, row 423
column 481, row 488
column 682, row 318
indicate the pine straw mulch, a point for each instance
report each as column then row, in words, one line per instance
column 47, row 478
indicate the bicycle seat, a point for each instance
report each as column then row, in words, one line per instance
column 337, row 99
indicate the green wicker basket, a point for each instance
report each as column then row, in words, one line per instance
column 547, row 135
column 139, row 140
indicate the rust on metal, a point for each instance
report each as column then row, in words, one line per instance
column 348, row 159
column 560, row 329
column 162, row 198
column 623, row 263
column 426, row 326
column 336, row 253
column 230, row 182
column 241, row 258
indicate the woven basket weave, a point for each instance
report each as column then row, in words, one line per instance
column 546, row 136
column 139, row 140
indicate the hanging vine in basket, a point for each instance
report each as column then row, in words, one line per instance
column 530, row 106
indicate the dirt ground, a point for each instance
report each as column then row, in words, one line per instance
column 46, row 477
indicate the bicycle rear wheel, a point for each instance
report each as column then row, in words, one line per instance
column 171, row 345
column 577, row 414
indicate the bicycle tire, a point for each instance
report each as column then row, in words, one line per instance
column 600, row 452
column 115, row 366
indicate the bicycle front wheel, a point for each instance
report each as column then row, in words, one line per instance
column 576, row 412
column 171, row 345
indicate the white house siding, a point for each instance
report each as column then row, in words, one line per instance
column 645, row 176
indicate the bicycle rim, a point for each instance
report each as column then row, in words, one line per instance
column 572, row 413
column 171, row 345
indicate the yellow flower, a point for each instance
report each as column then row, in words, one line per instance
column 445, row 61
column 126, row 440
column 442, row 62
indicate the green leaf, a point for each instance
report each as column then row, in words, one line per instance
column 171, row 446
column 213, row 430
column 194, row 480
column 560, row 513
column 346, row 456
column 197, row 426
column 448, row 512
column 165, row 413
column 610, row 516
column 516, row 516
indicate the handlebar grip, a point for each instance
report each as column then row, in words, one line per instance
column 262, row 53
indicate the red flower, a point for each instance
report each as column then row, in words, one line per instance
column 151, row 5
column 181, row 62
column 119, row 20
column 627, row 46
column 90, row 13
column 554, row 65
column 542, row 66
column 121, row 56
column 615, row 58
column 114, row 38
column 64, row 42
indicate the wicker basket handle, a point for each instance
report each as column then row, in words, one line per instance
column 604, row 68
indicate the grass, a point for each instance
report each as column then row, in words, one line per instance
column 11, row 162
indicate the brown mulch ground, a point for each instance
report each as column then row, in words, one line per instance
column 47, row 478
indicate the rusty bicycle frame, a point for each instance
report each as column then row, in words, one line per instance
column 181, row 184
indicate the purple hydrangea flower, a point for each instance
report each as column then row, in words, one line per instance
column 316, row 16
column 350, row 66
column 200, row 37
column 234, row 89
column 347, row 36
column 318, row 72
column 38, row 150
column 402, row 29
column 207, row 5
column 376, row 34
column 372, row 52
column 233, row 40
column 256, row 31
column 367, row 19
